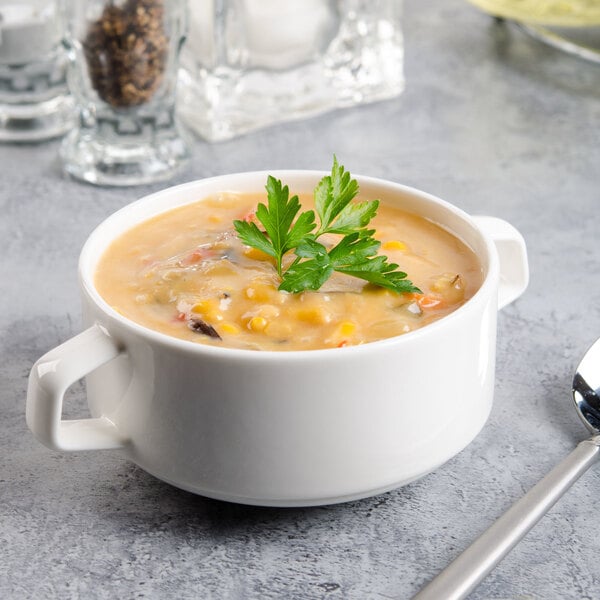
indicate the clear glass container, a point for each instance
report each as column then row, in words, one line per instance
column 123, row 74
column 250, row 63
column 34, row 102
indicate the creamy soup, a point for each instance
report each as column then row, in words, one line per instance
column 185, row 273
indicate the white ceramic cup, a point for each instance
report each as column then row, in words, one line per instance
column 282, row 428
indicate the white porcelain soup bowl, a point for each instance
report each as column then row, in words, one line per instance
column 282, row 428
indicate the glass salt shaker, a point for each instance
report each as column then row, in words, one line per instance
column 123, row 74
column 251, row 63
column 34, row 101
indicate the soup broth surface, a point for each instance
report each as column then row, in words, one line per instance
column 185, row 273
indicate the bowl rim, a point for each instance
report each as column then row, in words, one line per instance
column 87, row 258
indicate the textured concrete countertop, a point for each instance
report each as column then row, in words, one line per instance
column 491, row 121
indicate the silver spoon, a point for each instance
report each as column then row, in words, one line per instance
column 468, row 570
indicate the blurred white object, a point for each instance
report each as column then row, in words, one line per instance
column 250, row 63
column 27, row 31
column 34, row 103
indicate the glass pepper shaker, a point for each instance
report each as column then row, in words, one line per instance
column 123, row 74
column 34, row 101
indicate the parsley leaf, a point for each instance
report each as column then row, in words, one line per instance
column 354, row 216
column 355, row 254
column 309, row 274
column 251, row 235
column 333, row 194
column 280, row 235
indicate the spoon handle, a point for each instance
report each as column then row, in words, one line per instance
column 467, row 571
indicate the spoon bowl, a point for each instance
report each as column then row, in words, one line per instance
column 586, row 388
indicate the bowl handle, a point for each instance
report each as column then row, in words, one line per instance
column 50, row 378
column 514, row 268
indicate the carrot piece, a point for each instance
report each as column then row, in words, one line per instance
column 427, row 301
column 195, row 257
column 250, row 217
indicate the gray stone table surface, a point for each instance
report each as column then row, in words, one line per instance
column 491, row 121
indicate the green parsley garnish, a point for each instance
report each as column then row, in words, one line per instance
column 356, row 252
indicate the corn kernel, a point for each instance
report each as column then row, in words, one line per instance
column 257, row 324
column 230, row 328
column 313, row 315
column 256, row 254
column 259, row 292
column 208, row 309
column 347, row 328
column 278, row 329
column 221, row 268
column 204, row 307
column 394, row 245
